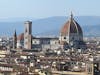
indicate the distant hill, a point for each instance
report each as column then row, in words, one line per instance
column 51, row 25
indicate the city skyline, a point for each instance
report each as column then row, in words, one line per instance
column 47, row 8
column 49, row 37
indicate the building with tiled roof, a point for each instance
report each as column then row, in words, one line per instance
column 20, row 41
column 71, row 33
column 21, row 37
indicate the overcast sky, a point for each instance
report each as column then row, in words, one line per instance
column 48, row 8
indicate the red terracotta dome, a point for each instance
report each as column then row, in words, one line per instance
column 21, row 37
column 71, row 26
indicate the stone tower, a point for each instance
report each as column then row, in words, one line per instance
column 28, row 35
column 15, row 40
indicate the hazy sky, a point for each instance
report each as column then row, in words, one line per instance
column 48, row 8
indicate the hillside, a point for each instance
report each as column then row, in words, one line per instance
column 52, row 25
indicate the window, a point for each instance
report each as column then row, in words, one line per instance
column 26, row 30
column 64, row 37
column 35, row 42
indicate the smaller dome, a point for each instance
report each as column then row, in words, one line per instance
column 21, row 37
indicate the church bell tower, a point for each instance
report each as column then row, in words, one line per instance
column 28, row 35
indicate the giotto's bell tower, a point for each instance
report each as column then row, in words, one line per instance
column 28, row 35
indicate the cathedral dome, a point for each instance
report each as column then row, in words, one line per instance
column 71, row 26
